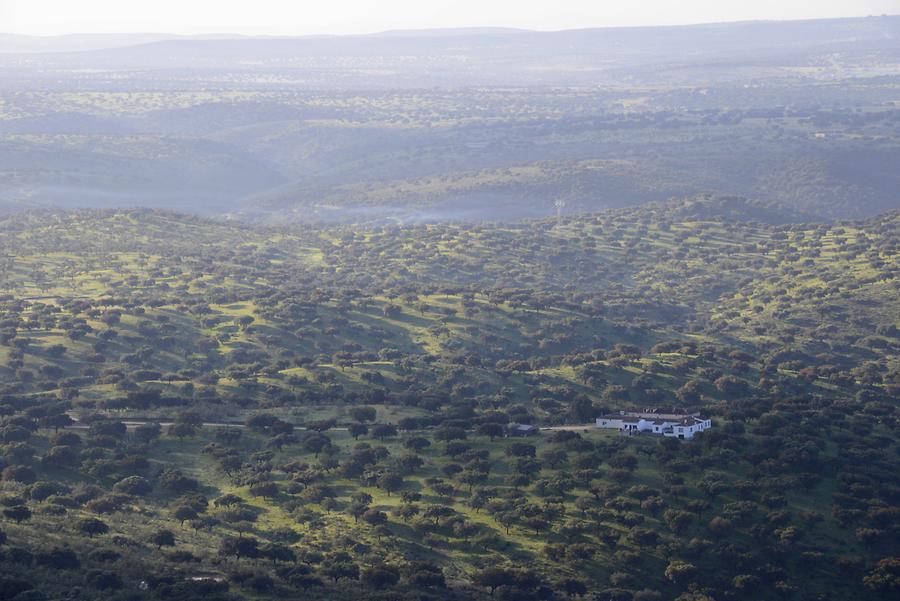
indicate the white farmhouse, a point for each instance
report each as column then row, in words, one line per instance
column 658, row 421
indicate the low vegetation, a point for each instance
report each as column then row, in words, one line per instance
column 200, row 409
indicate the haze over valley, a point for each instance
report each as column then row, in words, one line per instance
column 487, row 124
column 454, row 313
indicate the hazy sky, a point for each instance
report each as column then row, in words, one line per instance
column 300, row 17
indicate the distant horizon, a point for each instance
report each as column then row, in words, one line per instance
column 474, row 28
column 274, row 18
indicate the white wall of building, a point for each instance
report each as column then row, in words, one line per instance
column 667, row 428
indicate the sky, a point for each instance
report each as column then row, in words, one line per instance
column 303, row 17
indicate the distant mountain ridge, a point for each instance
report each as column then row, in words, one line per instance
column 458, row 124
column 129, row 38
column 13, row 43
column 682, row 39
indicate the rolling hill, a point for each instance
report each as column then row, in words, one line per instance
column 193, row 407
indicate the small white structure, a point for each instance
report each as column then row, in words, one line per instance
column 522, row 430
column 661, row 422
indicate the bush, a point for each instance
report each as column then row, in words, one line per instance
column 59, row 559
column 133, row 485
column 103, row 580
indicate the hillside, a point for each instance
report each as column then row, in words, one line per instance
column 442, row 126
column 507, row 57
column 331, row 402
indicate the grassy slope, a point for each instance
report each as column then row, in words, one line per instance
column 654, row 279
